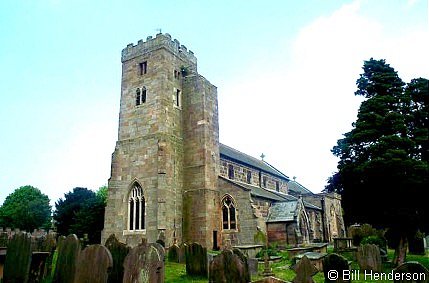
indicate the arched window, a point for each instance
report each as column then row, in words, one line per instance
column 138, row 97
column 229, row 215
column 136, row 208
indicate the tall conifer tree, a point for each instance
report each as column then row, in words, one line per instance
column 383, row 163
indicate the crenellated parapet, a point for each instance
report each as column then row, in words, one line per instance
column 160, row 41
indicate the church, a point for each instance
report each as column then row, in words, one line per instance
column 173, row 181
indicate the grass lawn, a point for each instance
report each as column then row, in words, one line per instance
column 176, row 272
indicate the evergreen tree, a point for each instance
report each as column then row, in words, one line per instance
column 81, row 212
column 382, row 167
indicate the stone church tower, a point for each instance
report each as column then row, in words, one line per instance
column 164, row 174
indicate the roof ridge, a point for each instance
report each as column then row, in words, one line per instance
column 302, row 186
column 275, row 169
column 242, row 152
column 259, row 162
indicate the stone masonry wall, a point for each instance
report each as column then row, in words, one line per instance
column 332, row 216
column 240, row 175
column 201, row 161
column 150, row 146
column 248, row 217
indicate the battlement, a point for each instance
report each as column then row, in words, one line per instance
column 160, row 41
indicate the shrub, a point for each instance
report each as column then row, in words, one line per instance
column 272, row 251
column 376, row 240
column 358, row 233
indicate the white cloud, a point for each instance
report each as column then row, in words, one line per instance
column 297, row 112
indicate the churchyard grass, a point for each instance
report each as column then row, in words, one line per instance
column 281, row 269
column 176, row 272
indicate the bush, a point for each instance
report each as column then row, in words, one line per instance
column 375, row 240
column 358, row 233
column 272, row 251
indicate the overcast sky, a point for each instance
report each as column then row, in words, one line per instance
column 285, row 73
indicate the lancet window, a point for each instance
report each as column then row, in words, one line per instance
column 136, row 209
column 229, row 215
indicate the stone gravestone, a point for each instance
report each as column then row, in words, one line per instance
column 144, row 264
column 228, row 267
column 37, row 267
column 49, row 246
column 243, row 258
column 68, row 253
column 118, row 251
column 415, row 270
column 18, row 259
column 335, row 264
column 182, row 253
column 93, row 265
column 196, row 260
column 173, row 253
column 369, row 258
column 160, row 270
column 253, row 265
column 37, row 242
column 304, row 270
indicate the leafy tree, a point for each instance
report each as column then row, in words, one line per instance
column 26, row 208
column 383, row 165
column 102, row 193
column 81, row 212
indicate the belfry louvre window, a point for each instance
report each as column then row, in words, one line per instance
column 136, row 209
column 229, row 215
column 140, row 96
column 142, row 68
column 178, row 98
column 143, row 95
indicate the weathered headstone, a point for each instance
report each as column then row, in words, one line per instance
column 68, row 253
column 304, row 270
column 49, row 246
column 18, row 259
column 37, row 267
column 173, row 253
column 93, row 265
column 253, row 265
column 196, row 260
column 369, row 258
column 144, row 264
column 270, row 279
column 334, row 264
column 228, row 267
column 182, row 253
column 243, row 258
column 37, row 242
column 160, row 269
column 411, row 271
column 118, row 251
